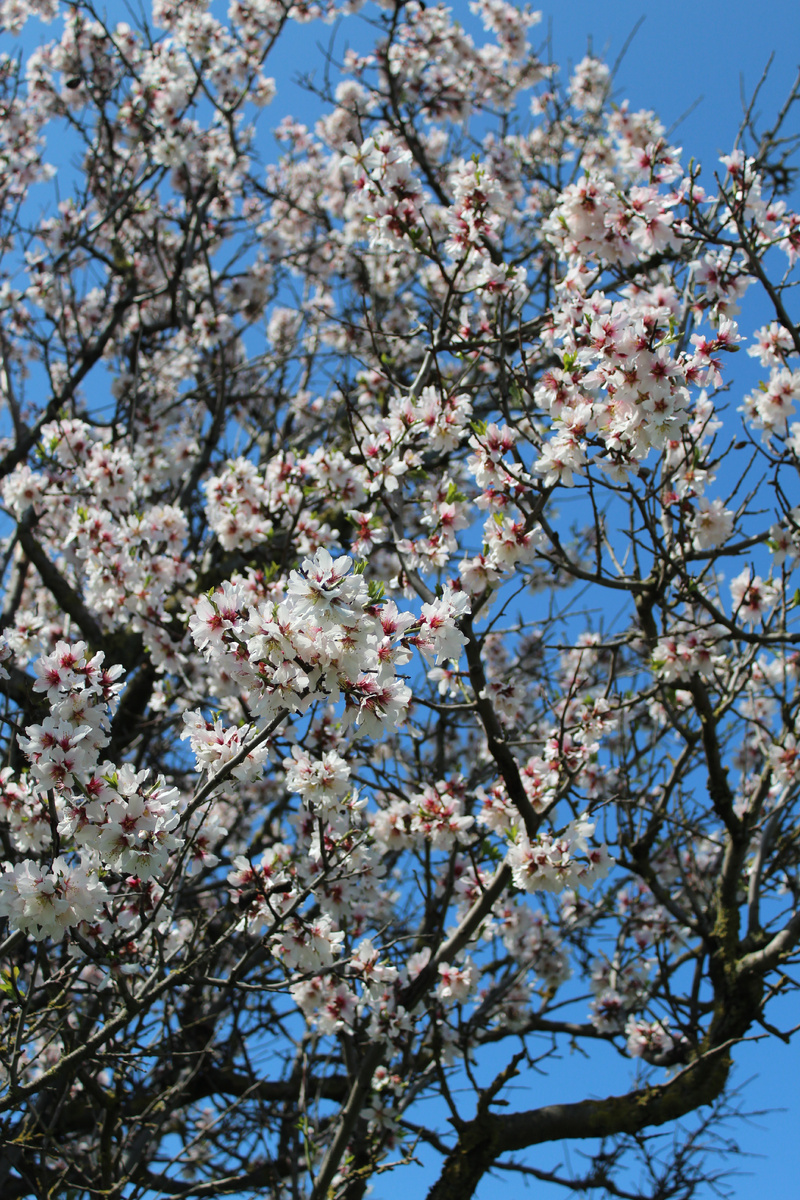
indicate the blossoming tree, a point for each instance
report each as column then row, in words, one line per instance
column 399, row 633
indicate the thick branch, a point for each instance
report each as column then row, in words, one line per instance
column 482, row 1141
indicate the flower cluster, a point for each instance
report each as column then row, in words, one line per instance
column 324, row 638
column 551, row 862
column 114, row 817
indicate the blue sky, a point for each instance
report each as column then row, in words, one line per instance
column 705, row 54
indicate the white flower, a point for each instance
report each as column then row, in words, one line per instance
column 456, row 984
column 712, row 524
column 45, row 903
column 753, row 598
column 326, row 589
column 438, row 632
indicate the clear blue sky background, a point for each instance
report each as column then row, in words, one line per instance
column 685, row 53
